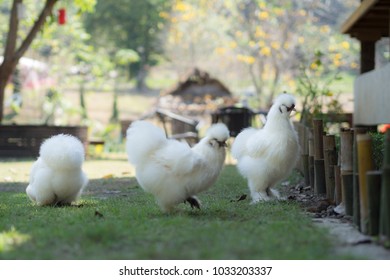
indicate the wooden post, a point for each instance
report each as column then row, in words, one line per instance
column 356, row 188
column 318, row 132
column 346, row 151
column 319, row 166
column 306, row 172
column 373, row 189
column 347, row 193
column 365, row 164
column 367, row 55
column 304, row 132
column 330, row 160
column 319, row 176
column 337, row 177
column 346, row 170
column 311, row 163
column 384, row 227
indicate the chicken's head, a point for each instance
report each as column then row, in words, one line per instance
column 285, row 103
column 217, row 135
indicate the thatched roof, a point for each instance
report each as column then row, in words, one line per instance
column 197, row 86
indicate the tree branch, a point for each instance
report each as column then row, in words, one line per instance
column 34, row 30
column 12, row 33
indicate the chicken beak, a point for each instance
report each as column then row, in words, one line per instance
column 222, row 144
column 291, row 108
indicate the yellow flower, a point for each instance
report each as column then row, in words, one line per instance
column 338, row 56
column 181, row 6
column 302, row 13
column 252, row 44
column 345, row 45
column 232, row 44
column 278, row 11
column 250, row 60
column 301, row 40
column 329, row 93
column 266, row 51
column 336, row 62
column 188, row 16
column 238, row 33
column 220, row 50
column 262, row 5
column 314, row 66
column 275, row 45
column 354, row 65
column 331, row 48
column 246, row 59
column 259, row 32
column 325, row 29
column 291, row 83
column 164, row 15
column 263, row 15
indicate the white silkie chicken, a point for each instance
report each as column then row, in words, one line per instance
column 268, row 155
column 171, row 170
column 56, row 177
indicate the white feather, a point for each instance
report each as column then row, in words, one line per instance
column 267, row 156
column 171, row 170
column 56, row 176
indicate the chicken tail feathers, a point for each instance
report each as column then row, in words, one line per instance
column 143, row 138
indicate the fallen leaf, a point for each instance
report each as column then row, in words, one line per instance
column 242, row 197
column 98, row 214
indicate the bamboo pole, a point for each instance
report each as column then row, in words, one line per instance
column 346, row 151
column 338, row 192
column 356, row 200
column 311, row 163
column 318, row 132
column 374, row 191
column 304, row 143
column 319, row 165
column 306, row 169
column 330, row 159
column 365, row 164
column 384, row 227
column 356, row 188
column 319, row 176
column 346, row 170
column 348, row 193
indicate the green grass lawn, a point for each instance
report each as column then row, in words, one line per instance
column 116, row 219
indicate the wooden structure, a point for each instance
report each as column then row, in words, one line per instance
column 369, row 23
column 25, row 140
column 197, row 86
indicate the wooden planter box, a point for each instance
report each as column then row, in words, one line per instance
column 25, row 140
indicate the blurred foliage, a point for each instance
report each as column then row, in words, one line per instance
column 378, row 148
column 313, row 85
column 264, row 40
column 255, row 47
column 127, row 24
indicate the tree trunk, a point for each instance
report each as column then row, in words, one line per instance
column 11, row 53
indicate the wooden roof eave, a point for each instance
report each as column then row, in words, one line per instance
column 369, row 21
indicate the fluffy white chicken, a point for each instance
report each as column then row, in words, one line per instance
column 266, row 156
column 171, row 170
column 56, row 177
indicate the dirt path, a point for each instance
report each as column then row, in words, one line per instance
column 348, row 241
